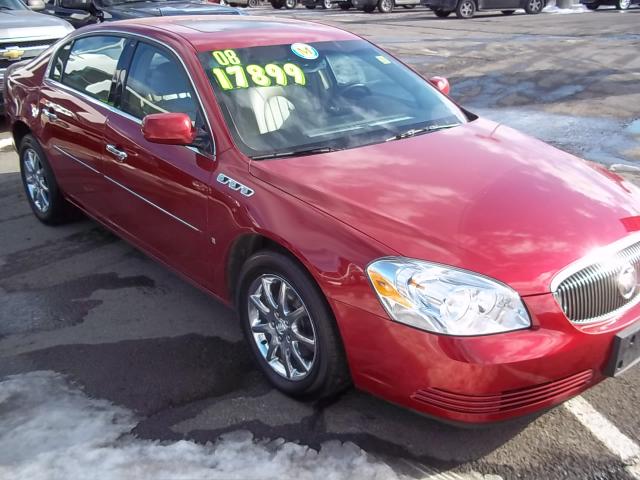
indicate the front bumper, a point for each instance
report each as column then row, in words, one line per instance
column 479, row 379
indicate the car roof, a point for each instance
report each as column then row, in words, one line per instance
column 210, row 32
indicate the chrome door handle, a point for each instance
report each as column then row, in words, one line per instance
column 119, row 154
column 49, row 114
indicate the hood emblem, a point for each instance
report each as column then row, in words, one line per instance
column 627, row 281
column 12, row 53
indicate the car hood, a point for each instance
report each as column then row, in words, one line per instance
column 165, row 9
column 480, row 196
column 17, row 25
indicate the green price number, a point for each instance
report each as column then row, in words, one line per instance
column 237, row 76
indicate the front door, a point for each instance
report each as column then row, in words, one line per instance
column 161, row 190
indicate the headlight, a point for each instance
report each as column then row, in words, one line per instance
column 443, row 299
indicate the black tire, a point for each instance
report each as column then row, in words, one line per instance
column 465, row 9
column 290, row 4
column 622, row 4
column 408, row 7
column 534, row 7
column 277, row 4
column 508, row 12
column 253, row 3
column 368, row 8
column 442, row 13
column 592, row 6
column 385, row 6
column 58, row 210
column 328, row 374
column 345, row 5
column 310, row 7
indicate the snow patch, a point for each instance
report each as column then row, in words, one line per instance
column 603, row 140
column 575, row 8
column 52, row 430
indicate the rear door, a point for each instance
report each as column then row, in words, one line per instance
column 74, row 104
column 162, row 190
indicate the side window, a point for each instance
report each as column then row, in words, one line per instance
column 157, row 83
column 59, row 62
column 92, row 64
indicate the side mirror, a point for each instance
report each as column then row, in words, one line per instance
column 441, row 84
column 168, row 129
column 76, row 4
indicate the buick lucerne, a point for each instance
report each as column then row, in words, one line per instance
column 365, row 227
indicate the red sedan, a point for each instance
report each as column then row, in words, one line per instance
column 365, row 227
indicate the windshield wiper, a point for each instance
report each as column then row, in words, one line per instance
column 296, row 153
column 416, row 131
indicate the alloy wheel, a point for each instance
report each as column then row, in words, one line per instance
column 386, row 6
column 282, row 327
column 467, row 10
column 535, row 6
column 623, row 4
column 36, row 180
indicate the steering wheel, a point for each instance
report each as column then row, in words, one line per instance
column 355, row 90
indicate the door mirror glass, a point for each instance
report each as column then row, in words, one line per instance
column 76, row 4
column 168, row 129
column 441, row 84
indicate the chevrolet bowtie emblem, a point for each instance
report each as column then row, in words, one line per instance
column 12, row 54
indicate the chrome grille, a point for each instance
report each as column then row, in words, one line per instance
column 591, row 293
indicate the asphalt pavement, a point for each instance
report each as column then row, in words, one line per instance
column 77, row 300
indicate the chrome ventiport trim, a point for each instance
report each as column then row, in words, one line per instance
column 234, row 185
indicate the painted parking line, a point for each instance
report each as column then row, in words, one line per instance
column 605, row 431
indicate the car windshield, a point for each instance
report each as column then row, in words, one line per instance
column 12, row 5
column 300, row 98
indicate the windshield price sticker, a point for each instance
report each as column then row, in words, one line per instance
column 239, row 76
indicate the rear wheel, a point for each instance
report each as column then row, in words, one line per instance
column 465, row 9
column 533, row 7
column 369, row 8
column 592, row 6
column 290, row 328
column 290, row 4
column 253, row 3
column 623, row 4
column 385, row 6
column 442, row 13
column 508, row 12
column 40, row 184
column 326, row 4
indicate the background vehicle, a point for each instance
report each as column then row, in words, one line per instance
column 24, row 34
column 288, row 4
column 619, row 4
column 86, row 12
column 468, row 8
column 384, row 6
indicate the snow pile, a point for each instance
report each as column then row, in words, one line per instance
column 575, row 8
column 51, row 430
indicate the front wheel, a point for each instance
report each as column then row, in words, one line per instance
column 442, row 13
column 533, row 7
column 326, row 4
column 623, row 4
column 466, row 9
column 290, row 4
column 253, row 3
column 385, row 6
column 290, row 328
column 40, row 185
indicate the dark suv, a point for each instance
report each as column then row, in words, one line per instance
column 468, row 8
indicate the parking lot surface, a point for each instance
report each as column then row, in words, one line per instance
column 78, row 301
